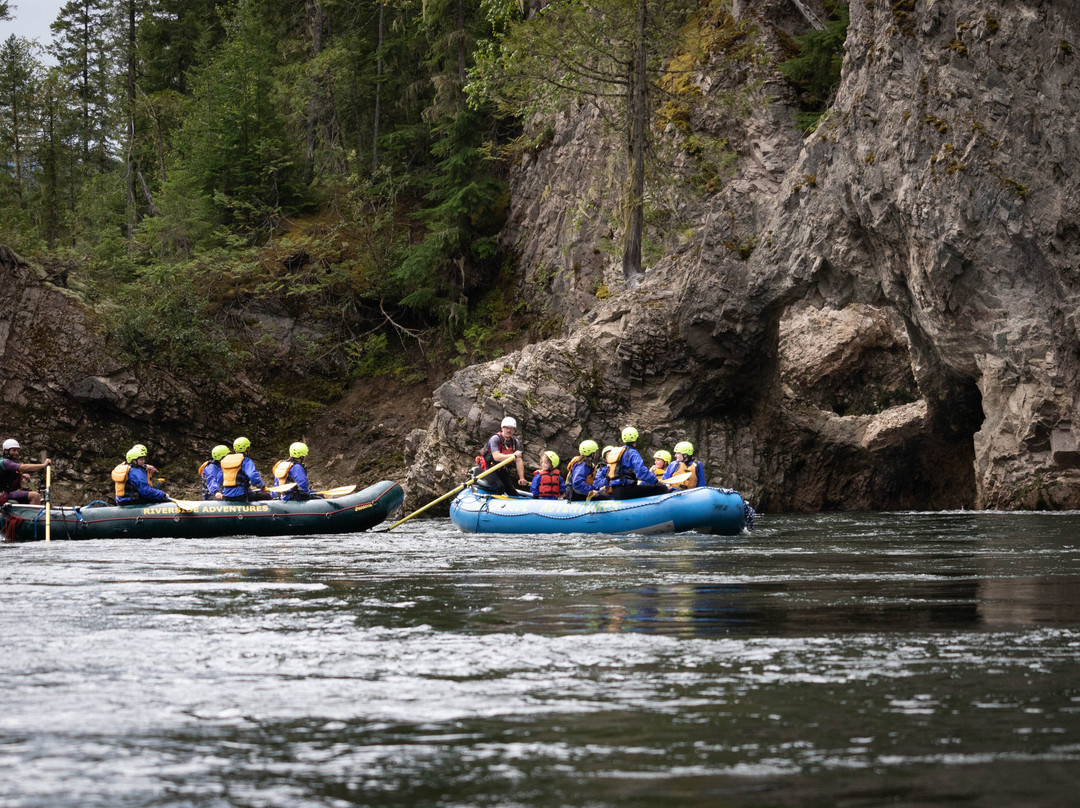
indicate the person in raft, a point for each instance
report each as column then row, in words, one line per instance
column 210, row 471
column 13, row 473
column 684, row 461
column 661, row 459
column 547, row 482
column 131, row 479
column 293, row 471
column 628, row 476
column 581, row 474
column 239, row 475
column 499, row 447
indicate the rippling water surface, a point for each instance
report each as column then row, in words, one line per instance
column 908, row 659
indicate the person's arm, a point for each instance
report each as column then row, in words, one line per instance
column 252, row 473
column 30, row 468
column 300, row 478
column 534, row 487
column 142, row 485
column 641, row 471
column 669, row 470
column 495, row 446
column 700, row 474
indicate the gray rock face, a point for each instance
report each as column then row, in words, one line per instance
column 881, row 316
column 65, row 394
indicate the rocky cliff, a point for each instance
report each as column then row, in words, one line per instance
column 881, row 315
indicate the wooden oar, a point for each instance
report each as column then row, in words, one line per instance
column 675, row 479
column 183, row 506
column 330, row 493
column 451, row 493
column 48, row 507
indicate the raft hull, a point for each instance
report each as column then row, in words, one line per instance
column 210, row 519
column 707, row 510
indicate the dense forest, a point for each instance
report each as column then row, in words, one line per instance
column 182, row 154
column 175, row 157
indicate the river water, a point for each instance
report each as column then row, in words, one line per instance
column 900, row 659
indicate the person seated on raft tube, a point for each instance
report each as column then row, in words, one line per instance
column 293, row 471
column 628, row 476
column 547, row 481
column 239, row 475
column 582, row 475
column 499, row 447
column 210, row 471
column 684, row 461
column 12, row 474
column 131, row 482
column 661, row 460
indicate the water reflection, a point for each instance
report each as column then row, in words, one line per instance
column 840, row 659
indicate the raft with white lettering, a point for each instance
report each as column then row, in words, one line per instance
column 206, row 518
column 718, row 511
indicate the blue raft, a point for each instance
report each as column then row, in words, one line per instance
column 718, row 511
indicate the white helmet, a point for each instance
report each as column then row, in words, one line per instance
column 508, row 421
column 11, row 443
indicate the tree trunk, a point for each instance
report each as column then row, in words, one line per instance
column 133, row 212
column 315, row 16
column 638, row 103
column 462, row 75
column 378, row 89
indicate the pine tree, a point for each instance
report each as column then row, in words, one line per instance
column 607, row 53
column 84, row 38
column 18, row 93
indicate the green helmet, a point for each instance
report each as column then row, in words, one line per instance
column 629, row 435
column 298, row 450
column 219, row 451
column 684, row 447
column 135, row 452
column 587, row 448
column 663, row 455
column 554, row 458
column 241, row 445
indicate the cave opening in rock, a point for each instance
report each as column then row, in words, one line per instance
column 880, row 442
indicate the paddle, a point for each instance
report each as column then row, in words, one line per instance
column 451, row 493
column 45, row 501
column 340, row 491
column 675, row 479
column 183, row 506
column 329, row 493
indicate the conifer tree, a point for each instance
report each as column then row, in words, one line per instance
column 608, row 53
column 83, row 43
column 18, row 93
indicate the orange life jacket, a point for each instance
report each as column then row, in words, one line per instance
column 680, row 468
column 119, row 478
column 230, row 471
column 615, row 468
column 281, row 471
column 549, row 483
column 579, row 459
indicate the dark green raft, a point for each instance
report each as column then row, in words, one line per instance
column 207, row 519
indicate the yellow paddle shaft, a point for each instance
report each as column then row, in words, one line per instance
column 497, row 466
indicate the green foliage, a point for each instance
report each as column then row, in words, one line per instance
column 163, row 317
column 371, row 357
column 816, row 70
column 458, row 254
column 233, row 142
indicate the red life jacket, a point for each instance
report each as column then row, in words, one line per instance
column 505, row 447
column 549, row 483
